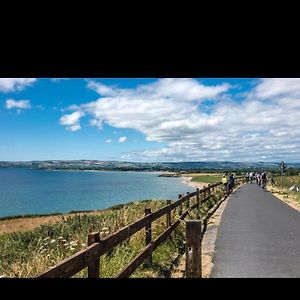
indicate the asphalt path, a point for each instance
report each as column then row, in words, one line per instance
column 258, row 237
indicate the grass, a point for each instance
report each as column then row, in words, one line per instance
column 206, row 178
column 28, row 216
column 287, row 182
column 27, row 222
column 26, row 254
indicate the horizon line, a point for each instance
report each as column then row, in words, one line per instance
column 210, row 161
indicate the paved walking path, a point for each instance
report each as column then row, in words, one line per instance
column 259, row 236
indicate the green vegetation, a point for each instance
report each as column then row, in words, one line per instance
column 206, row 178
column 29, row 253
column 191, row 167
column 26, row 254
column 29, row 216
column 287, row 182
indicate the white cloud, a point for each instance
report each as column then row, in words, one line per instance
column 184, row 89
column 58, row 79
column 73, row 128
column 265, row 124
column 18, row 104
column 100, row 88
column 97, row 123
column 72, row 120
column 122, row 139
column 108, row 141
column 272, row 88
column 155, row 109
column 15, row 84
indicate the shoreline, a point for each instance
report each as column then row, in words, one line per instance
column 84, row 170
column 96, row 171
column 12, row 224
column 188, row 181
column 15, row 223
column 72, row 212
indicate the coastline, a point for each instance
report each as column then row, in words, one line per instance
column 188, row 181
column 16, row 223
column 13, row 224
column 25, row 223
column 98, row 171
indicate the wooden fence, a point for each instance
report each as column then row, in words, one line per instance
column 90, row 257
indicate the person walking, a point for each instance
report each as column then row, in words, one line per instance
column 231, row 182
column 247, row 177
column 225, row 183
column 264, row 180
column 251, row 177
column 259, row 179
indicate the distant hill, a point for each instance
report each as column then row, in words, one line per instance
column 137, row 166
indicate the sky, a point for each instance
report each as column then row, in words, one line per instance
column 150, row 119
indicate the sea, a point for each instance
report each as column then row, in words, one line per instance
column 33, row 191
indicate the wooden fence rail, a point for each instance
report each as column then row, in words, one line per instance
column 90, row 257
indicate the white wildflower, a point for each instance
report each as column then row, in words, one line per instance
column 47, row 238
column 66, row 244
column 53, row 241
column 2, row 276
column 103, row 234
column 83, row 245
column 71, row 248
column 60, row 238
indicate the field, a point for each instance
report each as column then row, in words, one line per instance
column 206, row 178
column 287, row 182
column 27, row 253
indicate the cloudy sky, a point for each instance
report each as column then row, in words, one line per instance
column 139, row 119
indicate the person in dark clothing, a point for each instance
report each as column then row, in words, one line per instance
column 231, row 181
column 264, row 180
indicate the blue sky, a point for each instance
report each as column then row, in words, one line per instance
column 150, row 119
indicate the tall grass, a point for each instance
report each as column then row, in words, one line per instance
column 287, row 182
column 206, row 178
column 26, row 254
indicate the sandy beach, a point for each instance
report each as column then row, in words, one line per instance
column 187, row 180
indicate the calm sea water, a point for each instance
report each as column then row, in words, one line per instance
column 25, row 191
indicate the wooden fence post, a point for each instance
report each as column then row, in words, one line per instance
column 180, row 206
column 94, row 267
column 148, row 233
column 193, row 249
column 188, row 201
column 204, row 192
column 198, row 204
column 168, row 215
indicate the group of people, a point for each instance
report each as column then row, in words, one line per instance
column 259, row 178
column 228, row 182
